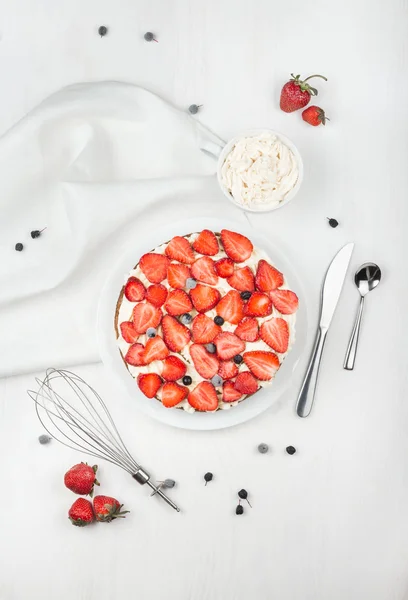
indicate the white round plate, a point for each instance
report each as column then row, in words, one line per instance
column 112, row 359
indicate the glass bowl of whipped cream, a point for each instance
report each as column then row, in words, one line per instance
column 260, row 170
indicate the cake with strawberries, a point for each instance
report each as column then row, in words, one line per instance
column 204, row 321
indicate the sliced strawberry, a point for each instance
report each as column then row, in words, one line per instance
column 178, row 303
column 203, row 269
column 236, row 246
column 173, row 368
column 149, row 383
column 267, row 278
column 156, row 294
column 204, row 329
column 246, row 383
column 128, row 332
column 135, row 355
column 262, row 364
column 231, row 307
column 204, row 298
column 248, row 329
column 228, row 345
column 228, row 369
column 275, row 333
column 172, row 394
column 206, row 364
column 155, row 349
column 206, row 243
column 259, row 305
column 229, row 393
column 134, row 290
column 176, row 335
column 154, row 266
column 177, row 275
column 242, row 280
column 285, row 301
column 224, row 267
column 203, row 397
column 146, row 315
column 179, row 249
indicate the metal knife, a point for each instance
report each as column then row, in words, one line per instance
column 331, row 290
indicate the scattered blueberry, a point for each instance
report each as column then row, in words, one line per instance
column 44, row 439
column 149, row 37
column 246, row 295
column 194, row 108
column 217, row 381
column 263, row 448
column 218, row 320
column 333, row 222
column 37, row 232
column 191, row 283
column 187, row 380
column 169, row 483
column 239, row 510
column 237, row 359
column 290, row 450
column 151, row 332
column 211, row 348
column 19, row 247
column 186, row 318
column 208, row 477
column 102, row 30
column 244, row 495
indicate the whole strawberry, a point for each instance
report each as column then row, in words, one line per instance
column 314, row 115
column 296, row 93
column 107, row 508
column 81, row 513
column 81, row 479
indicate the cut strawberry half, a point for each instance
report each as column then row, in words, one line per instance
column 228, row 345
column 146, row 315
column 246, row 383
column 204, row 298
column 231, row 307
column 176, row 335
column 275, row 333
column 242, row 280
column 134, row 290
column 237, row 247
column 285, row 301
column 206, row 364
column 267, row 278
column 177, row 275
column 155, row 349
column 173, row 368
column 228, row 369
column 206, row 243
column 178, row 303
column 172, row 394
column 259, row 305
column 149, row 384
column 128, row 332
column 135, row 355
column 203, row 397
column 154, row 266
column 179, row 249
column 263, row 365
column 224, row 267
column 203, row 269
column 156, row 294
column 204, row 329
column 229, row 393
column 248, row 330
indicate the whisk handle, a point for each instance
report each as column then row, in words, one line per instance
column 143, row 477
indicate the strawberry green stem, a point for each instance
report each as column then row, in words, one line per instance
column 311, row 76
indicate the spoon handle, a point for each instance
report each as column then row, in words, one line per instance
column 308, row 389
column 351, row 352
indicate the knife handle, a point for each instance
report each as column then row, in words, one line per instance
column 308, row 389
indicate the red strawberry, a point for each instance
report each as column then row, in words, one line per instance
column 128, row 332
column 146, row 315
column 228, row 345
column 173, row 368
column 262, row 364
column 246, row 383
column 236, row 246
column 154, row 266
column 178, row 303
column 156, row 294
column 285, row 301
column 242, row 280
column 248, row 329
column 228, row 369
column 314, row 115
column 229, row 393
column 203, row 397
column 203, row 269
column 206, row 364
column 81, row 479
column 179, row 249
column 81, row 513
column 204, row 329
column 135, row 355
column 259, row 305
column 155, row 349
column 176, row 335
column 107, row 508
column 204, row 298
column 296, row 94
column 206, row 243
column 231, row 307
column 267, row 278
column 224, row 267
column 134, row 289
column 173, row 394
column 177, row 275
column 275, row 333
column 149, row 384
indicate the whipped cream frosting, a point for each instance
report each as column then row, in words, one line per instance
column 260, row 171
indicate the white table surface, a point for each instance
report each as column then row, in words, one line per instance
column 331, row 522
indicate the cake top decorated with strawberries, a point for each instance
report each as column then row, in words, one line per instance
column 204, row 321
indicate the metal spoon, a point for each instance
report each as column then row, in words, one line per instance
column 366, row 279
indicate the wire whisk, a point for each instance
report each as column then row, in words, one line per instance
column 75, row 415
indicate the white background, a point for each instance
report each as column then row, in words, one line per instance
column 330, row 522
